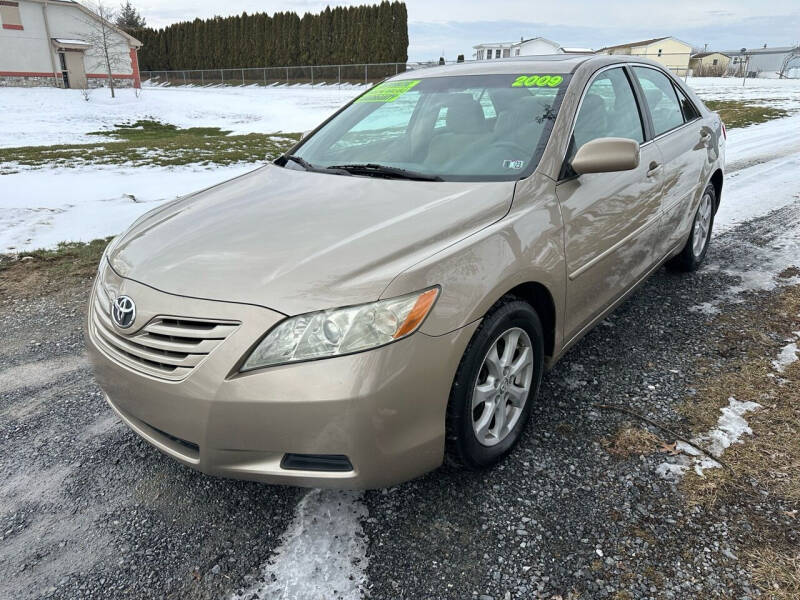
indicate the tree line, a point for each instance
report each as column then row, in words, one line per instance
column 341, row 35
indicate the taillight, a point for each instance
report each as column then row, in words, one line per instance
column 724, row 133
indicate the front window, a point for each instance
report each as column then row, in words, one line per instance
column 465, row 128
column 497, row 53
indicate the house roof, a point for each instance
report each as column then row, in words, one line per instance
column 637, row 44
column 512, row 44
column 132, row 41
column 704, row 54
column 768, row 50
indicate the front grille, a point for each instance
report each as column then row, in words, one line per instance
column 167, row 347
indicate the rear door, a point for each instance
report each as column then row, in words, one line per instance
column 684, row 141
column 610, row 219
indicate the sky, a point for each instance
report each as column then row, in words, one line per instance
column 452, row 27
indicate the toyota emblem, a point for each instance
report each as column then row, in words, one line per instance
column 123, row 311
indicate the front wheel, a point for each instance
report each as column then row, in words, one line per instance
column 694, row 252
column 495, row 386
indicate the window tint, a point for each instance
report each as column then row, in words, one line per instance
column 690, row 112
column 608, row 109
column 661, row 99
column 388, row 121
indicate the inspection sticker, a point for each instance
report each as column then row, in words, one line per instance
column 513, row 164
column 389, row 91
column 538, row 81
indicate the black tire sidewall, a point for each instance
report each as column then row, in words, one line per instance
column 512, row 314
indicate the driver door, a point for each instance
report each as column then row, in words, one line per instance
column 610, row 219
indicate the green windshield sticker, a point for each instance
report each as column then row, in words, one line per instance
column 389, row 91
column 538, row 81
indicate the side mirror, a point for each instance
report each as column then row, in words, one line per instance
column 605, row 155
column 304, row 135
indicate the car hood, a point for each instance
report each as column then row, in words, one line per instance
column 297, row 241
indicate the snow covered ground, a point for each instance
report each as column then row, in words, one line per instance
column 42, row 207
column 48, row 116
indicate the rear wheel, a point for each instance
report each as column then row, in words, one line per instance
column 495, row 386
column 694, row 252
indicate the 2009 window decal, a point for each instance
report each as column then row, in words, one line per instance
column 538, row 81
column 388, row 91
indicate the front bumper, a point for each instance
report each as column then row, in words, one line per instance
column 383, row 409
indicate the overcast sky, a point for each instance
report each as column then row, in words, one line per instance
column 453, row 26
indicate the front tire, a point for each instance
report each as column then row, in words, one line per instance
column 495, row 385
column 694, row 252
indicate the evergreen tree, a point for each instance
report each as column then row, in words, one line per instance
column 339, row 35
column 129, row 18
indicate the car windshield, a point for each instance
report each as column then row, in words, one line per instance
column 464, row 128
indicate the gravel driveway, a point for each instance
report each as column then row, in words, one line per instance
column 87, row 510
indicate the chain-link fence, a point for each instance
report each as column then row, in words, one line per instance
column 354, row 74
column 317, row 74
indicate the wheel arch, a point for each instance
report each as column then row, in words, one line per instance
column 716, row 181
column 539, row 297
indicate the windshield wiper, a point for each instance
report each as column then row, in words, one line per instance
column 386, row 171
column 309, row 167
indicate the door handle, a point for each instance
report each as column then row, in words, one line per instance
column 654, row 168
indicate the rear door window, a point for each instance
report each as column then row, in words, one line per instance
column 690, row 112
column 665, row 110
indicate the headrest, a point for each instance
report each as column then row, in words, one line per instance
column 464, row 114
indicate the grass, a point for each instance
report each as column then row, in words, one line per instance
column 766, row 464
column 631, row 441
column 152, row 143
column 738, row 113
column 35, row 273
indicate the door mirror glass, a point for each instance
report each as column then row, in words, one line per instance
column 605, row 155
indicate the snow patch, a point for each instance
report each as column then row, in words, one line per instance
column 731, row 425
column 323, row 553
column 49, row 116
column 41, row 208
column 787, row 355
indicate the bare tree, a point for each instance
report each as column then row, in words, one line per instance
column 105, row 40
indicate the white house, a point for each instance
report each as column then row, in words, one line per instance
column 55, row 43
column 769, row 63
column 530, row 47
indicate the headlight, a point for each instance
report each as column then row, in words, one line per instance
column 342, row 330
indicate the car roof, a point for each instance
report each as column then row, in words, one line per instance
column 549, row 63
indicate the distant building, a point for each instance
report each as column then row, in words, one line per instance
column 669, row 51
column 48, row 43
column 769, row 63
column 530, row 47
column 709, row 64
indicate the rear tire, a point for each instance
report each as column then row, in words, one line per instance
column 694, row 252
column 495, row 385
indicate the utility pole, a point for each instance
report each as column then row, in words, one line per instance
column 746, row 61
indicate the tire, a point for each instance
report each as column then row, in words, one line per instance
column 692, row 254
column 507, row 412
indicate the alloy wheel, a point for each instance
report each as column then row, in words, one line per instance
column 702, row 226
column 502, row 386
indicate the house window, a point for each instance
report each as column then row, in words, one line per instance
column 9, row 15
column 659, row 51
column 516, row 52
column 489, row 54
column 497, row 53
column 506, row 52
column 715, row 62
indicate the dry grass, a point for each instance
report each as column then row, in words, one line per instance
column 769, row 460
column 631, row 441
column 777, row 573
column 39, row 272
